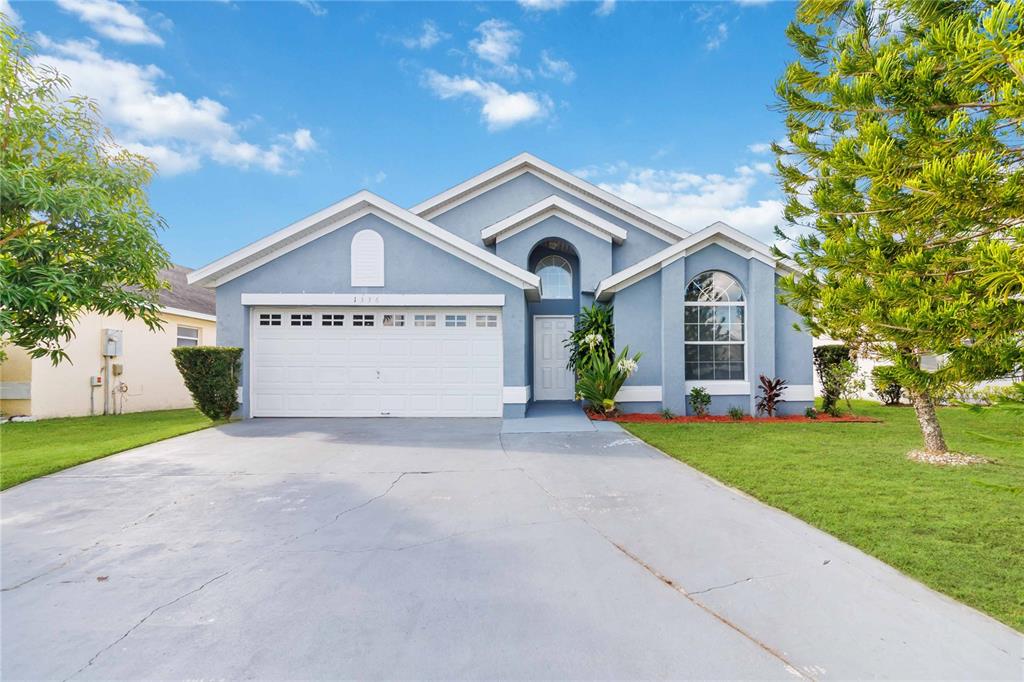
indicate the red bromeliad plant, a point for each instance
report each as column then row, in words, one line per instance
column 771, row 395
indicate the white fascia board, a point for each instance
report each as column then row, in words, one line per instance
column 181, row 312
column 578, row 187
column 718, row 233
column 343, row 213
column 390, row 300
column 546, row 208
column 209, row 272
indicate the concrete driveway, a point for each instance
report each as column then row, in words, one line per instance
column 306, row 548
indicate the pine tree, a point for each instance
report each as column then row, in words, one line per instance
column 904, row 172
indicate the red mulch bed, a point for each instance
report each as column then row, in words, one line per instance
column 643, row 418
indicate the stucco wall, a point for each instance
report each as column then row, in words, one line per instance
column 638, row 325
column 152, row 379
column 649, row 318
column 469, row 218
column 594, row 253
column 411, row 266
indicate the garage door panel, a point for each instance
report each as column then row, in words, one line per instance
column 341, row 370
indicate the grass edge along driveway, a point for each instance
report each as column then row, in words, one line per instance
column 956, row 529
column 32, row 449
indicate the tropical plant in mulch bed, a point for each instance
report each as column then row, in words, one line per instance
column 700, row 401
column 594, row 336
column 769, row 395
column 599, row 383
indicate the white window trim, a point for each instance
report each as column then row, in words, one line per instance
column 744, row 342
column 568, row 267
column 178, row 337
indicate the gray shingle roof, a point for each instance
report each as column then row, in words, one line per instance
column 185, row 296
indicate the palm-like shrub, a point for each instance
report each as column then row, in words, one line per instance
column 600, row 381
column 770, row 395
column 594, row 336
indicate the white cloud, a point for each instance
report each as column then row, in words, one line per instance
column 303, row 140
column 760, row 147
column 542, row 5
column 693, row 200
column 8, row 11
column 551, row 67
column 499, row 108
column 375, row 179
column 430, row 35
column 175, row 131
column 498, row 42
column 605, row 8
column 717, row 36
column 314, row 7
column 112, row 20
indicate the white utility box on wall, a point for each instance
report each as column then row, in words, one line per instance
column 113, row 343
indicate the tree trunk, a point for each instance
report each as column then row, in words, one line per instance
column 934, row 442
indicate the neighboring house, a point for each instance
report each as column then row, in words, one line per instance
column 461, row 305
column 141, row 377
column 866, row 363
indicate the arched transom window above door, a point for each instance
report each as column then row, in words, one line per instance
column 714, row 328
column 555, row 277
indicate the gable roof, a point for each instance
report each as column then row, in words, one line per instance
column 342, row 213
column 528, row 163
column 546, row 208
column 183, row 296
column 719, row 233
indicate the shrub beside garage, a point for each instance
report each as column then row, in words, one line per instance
column 211, row 375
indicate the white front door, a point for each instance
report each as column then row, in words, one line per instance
column 552, row 380
column 373, row 362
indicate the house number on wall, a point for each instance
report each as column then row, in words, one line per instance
column 359, row 300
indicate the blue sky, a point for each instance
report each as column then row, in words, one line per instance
column 260, row 113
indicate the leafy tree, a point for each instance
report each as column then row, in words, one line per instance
column 904, row 172
column 76, row 229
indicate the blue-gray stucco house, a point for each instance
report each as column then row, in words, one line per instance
column 459, row 306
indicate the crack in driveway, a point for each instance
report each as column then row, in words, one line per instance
column 139, row 624
column 679, row 589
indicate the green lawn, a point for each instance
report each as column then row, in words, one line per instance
column 32, row 449
column 958, row 530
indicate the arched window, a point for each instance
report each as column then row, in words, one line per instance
column 367, row 259
column 714, row 328
column 555, row 277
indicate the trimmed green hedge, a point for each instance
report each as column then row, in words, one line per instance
column 826, row 357
column 211, row 376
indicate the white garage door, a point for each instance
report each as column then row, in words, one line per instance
column 366, row 362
